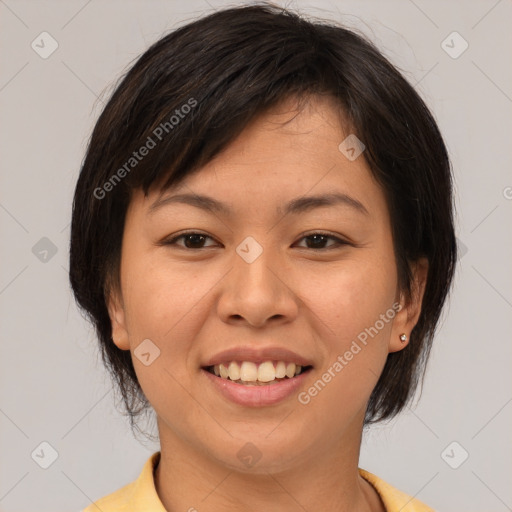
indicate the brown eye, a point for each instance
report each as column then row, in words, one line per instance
column 191, row 240
column 318, row 241
column 315, row 241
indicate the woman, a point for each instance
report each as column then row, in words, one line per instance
column 263, row 237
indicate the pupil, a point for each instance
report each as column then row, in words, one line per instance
column 197, row 239
column 194, row 239
column 317, row 239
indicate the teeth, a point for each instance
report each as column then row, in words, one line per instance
column 223, row 371
column 290, row 370
column 248, row 371
column 233, row 371
column 251, row 372
column 266, row 372
column 280, row 370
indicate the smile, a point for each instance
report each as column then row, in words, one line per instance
column 247, row 390
column 257, row 374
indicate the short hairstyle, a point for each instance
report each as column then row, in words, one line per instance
column 193, row 92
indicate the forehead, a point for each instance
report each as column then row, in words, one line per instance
column 282, row 154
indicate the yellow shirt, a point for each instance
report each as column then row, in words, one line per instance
column 141, row 495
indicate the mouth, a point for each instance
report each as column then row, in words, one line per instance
column 250, row 373
column 255, row 377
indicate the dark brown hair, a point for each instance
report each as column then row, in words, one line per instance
column 193, row 91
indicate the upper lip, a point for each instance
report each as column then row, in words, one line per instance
column 257, row 355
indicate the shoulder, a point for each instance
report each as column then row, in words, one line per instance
column 393, row 499
column 142, row 494
column 115, row 502
column 137, row 495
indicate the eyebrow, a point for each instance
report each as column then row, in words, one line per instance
column 295, row 206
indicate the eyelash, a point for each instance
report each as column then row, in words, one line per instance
column 339, row 241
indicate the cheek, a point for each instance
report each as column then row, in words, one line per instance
column 161, row 295
column 162, row 304
column 357, row 316
column 349, row 297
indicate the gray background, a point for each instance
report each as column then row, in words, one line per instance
column 53, row 386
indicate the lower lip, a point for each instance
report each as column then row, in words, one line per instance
column 256, row 396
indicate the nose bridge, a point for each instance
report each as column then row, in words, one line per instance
column 256, row 291
column 253, row 266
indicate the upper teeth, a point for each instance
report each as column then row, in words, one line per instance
column 248, row 371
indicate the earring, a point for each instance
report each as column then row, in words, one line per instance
column 403, row 338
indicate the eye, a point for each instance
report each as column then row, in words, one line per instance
column 319, row 239
column 195, row 240
column 192, row 240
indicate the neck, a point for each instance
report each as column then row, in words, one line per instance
column 186, row 479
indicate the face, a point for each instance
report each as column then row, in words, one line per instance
column 263, row 276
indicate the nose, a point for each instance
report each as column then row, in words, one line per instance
column 258, row 292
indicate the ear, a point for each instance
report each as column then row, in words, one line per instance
column 408, row 315
column 117, row 319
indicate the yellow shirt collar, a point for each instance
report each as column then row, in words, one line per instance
column 141, row 494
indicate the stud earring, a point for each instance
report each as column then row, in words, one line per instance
column 403, row 338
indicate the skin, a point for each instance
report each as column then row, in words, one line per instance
column 312, row 299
